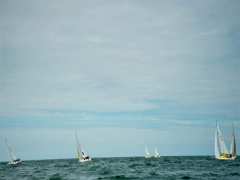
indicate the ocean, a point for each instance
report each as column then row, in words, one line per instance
column 169, row 168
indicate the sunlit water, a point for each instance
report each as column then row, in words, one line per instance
column 169, row 168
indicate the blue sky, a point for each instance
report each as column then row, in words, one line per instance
column 124, row 73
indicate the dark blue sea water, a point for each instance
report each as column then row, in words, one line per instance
column 169, row 168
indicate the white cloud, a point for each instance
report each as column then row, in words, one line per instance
column 117, row 56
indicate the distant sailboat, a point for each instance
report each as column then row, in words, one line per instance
column 156, row 153
column 221, row 151
column 14, row 161
column 82, row 156
column 147, row 154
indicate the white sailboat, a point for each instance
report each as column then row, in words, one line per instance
column 147, row 154
column 156, row 153
column 14, row 161
column 82, row 156
column 221, row 151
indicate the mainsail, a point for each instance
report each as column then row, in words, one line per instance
column 156, row 153
column 233, row 144
column 11, row 153
column 222, row 146
column 79, row 149
column 217, row 146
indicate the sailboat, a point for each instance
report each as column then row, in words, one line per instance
column 221, row 151
column 147, row 154
column 82, row 156
column 14, row 161
column 156, row 153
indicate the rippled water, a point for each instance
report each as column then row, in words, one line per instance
column 169, row 168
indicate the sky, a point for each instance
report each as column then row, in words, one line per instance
column 124, row 74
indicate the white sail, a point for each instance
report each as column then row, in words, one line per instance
column 233, row 145
column 79, row 149
column 11, row 153
column 217, row 148
column 222, row 145
column 156, row 153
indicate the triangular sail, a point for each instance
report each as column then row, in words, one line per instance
column 156, row 153
column 222, row 145
column 11, row 153
column 79, row 149
column 233, row 145
column 217, row 147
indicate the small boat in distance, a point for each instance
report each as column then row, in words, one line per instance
column 221, row 151
column 14, row 161
column 147, row 154
column 156, row 153
column 82, row 156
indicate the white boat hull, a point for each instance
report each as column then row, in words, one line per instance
column 226, row 159
column 15, row 163
column 151, row 157
column 148, row 157
column 84, row 160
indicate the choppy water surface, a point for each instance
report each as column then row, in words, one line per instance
column 169, row 168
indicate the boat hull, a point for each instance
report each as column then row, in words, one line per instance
column 14, row 163
column 152, row 157
column 148, row 157
column 84, row 160
column 226, row 158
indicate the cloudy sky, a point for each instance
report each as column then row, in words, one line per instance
column 125, row 74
